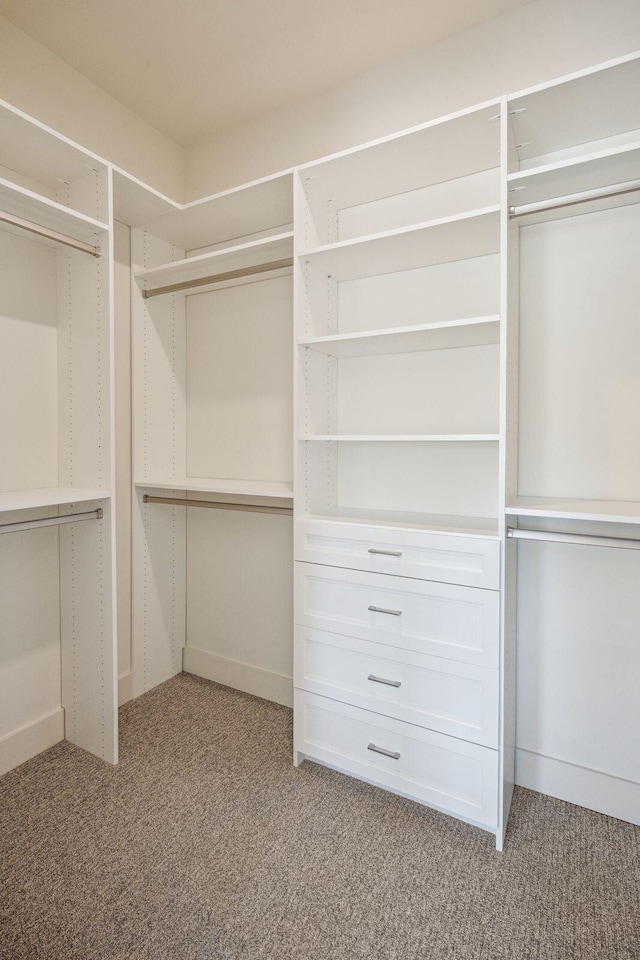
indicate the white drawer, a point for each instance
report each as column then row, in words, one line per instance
column 457, row 623
column 471, row 561
column 455, row 698
column 454, row 776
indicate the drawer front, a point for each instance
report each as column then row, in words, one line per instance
column 454, row 776
column 455, row 698
column 470, row 561
column 442, row 620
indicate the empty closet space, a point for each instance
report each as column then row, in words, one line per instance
column 575, row 190
column 213, row 414
column 399, row 329
column 56, row 647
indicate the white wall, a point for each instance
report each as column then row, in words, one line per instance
column 542, row 40
column 36, row 81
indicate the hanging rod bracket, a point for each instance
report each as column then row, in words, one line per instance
column 39, row 231
column 20, row 525
column 220, row 277
column 615, row 190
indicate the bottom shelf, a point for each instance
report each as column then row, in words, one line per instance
column 438, row 523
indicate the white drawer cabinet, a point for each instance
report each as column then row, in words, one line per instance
column 445, row 695
column 470, row 561
column 455, row 776
column 442, row 620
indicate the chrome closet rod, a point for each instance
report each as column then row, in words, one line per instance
column 219, row 505
column 220, row 277
column 31, row 227
column 596, row 540
column 616, row 190
column 50, row 521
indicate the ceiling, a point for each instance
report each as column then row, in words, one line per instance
column 193, row 68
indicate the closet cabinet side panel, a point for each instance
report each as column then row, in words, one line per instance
column 89, row 655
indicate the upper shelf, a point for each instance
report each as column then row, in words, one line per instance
column 218, row 264
column 477, row 331
column 445, row 149
column 462, row 237
column 39, row 154
column 23, row 203
column 232, row 214
column 47, row 497
column 597, row 171
column 585, row 108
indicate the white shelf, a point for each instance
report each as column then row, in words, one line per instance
column 445, row 149
column 438, row 523
column 591, row 172
column 461, row 237
column 135, row 202
column 591, row 106
column 477, row 331
column 240, row 212
column 239, row 488
column 41, row 154
column 46, row 213
column 47, row 497
column 618, row 511
column 250, row 254
column 407, row 438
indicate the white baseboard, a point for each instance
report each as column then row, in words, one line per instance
column 125, row 688
column 598, row 791
column 240, row 676
column 30, row 740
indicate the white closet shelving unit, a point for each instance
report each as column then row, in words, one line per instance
column 212, row 316
column 397, row 599
column 58, row 648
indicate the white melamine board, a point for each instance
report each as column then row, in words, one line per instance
column 593, row 106
column 89, row 650
column 231, row 214
column 438, row 241
column 220, row 261
column 619, row 511
column 134, row 202
column 270, row 489
column 437, row 294
column 435, row 336
column 427, row 203
column 405, row 438
column 47, row 497
column 28, row 365
column 239, row 399
column 122, row 453
column 48, row 214
column 239, row 587
column 84, row 369
column 159, row 572
column 579, row 387
column 578, row 655
column 438, row 523
column 39, row 153
column 601, row 169
column 431, row 392
column 444, row 149
column 444, row 478
column 159, row 376
column 29, row 626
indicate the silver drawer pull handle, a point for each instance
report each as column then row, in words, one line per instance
column 385, row 753
column 386, row 553
column 393, row 613
column 389, row 683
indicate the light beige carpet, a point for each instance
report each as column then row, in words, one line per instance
column 206, row 844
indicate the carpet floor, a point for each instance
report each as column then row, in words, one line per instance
column 205, row 843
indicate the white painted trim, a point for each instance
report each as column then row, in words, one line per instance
column 30, row 740
column 125, row 688
column 598, row 791
column 240, row 676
